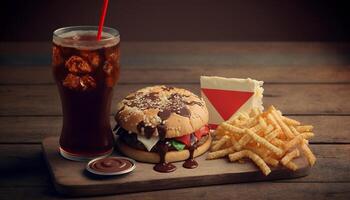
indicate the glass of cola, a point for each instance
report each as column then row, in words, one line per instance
column 85, row 70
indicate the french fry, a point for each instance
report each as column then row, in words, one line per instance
column 239, row 123
column 254, row 157
column 294, row 142
column 219, row 132
column 277, row 142
column 264, row 142
column 262, row 123
column 227, row 144
column 305, row 128
column 294, row 130
column 244, row 140
column 261, row 151
column 232, row 128
column 308, row 153
column 235, row 144
column 273, row 121
column 271, row 161
column 220, row 153
column 289, row 121
column 255, row 112
column 267, row 138
column 251, row 122
column 268, row 129
column 307, row 135
column 221, row 142
column 292, row 166
column 272, row 108
column 273, row 134
column 256, row 128
column 218, row 137
column 284, row 127
column 243, row 116
column 290, row 156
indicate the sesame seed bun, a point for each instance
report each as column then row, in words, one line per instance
column 178, row 111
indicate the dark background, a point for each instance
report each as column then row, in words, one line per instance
column 185, row 20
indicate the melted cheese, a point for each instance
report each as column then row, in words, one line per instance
column 148, row 142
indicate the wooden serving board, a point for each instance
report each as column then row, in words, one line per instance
column 71, row 178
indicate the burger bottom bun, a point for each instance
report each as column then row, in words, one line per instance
column 152, row 157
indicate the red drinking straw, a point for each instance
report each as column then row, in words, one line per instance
column 102, row 19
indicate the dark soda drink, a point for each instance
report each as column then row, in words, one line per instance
column 85, row 71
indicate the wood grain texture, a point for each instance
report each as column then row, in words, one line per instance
column 71, row 178
column 186, row 61
column 23, row 166
column 318, row 77
column 328, row 129
column 191, row 73
column 290, row 98
column 187, row 47
column 204, row 54
column 243, row 191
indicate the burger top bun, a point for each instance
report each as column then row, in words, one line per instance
column 162, row 111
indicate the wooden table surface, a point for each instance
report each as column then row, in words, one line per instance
column 308, row 81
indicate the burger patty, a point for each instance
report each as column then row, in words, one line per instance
column 131, row 140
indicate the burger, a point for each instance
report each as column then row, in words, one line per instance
column 161, row 125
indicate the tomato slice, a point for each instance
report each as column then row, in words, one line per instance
column 186, row 139
column 202, row 131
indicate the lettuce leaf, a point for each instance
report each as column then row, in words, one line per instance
column 177, row 145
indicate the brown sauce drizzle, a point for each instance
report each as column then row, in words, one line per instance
column 152, row 96
column 161, row 128
column 190, row 163
column 110, row 165
column 162, row 149
column 164, row 114
column 183, row 111
column 147, row 130
column 177, row 105
column 163, row 166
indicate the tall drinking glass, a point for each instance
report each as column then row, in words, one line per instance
column 85, row 71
